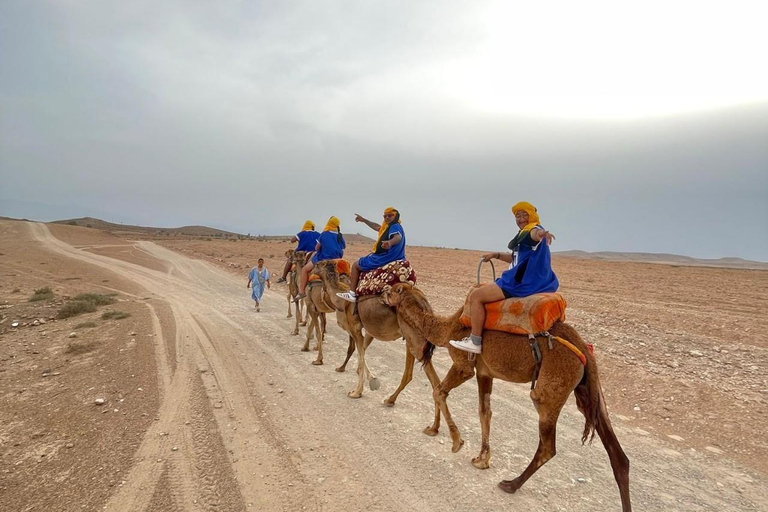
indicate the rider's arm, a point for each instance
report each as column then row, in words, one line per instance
column 372, row 225
column 537, row 234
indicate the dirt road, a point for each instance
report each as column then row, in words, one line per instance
column 245, row 422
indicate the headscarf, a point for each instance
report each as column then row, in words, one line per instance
column 533, row 221
column 333, row 225
column 384, row 230
column 308, row 226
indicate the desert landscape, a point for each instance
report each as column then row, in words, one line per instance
column 166, row 390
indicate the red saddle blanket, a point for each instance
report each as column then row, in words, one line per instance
column 380, row 280
column 521, row 315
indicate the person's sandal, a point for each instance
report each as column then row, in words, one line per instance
column 300, row 296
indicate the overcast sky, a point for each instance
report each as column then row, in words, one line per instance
column 636, row 126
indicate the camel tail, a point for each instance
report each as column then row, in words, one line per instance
column 429, row 349
column 589, row 397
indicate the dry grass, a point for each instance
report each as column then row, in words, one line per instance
column 114, row 315
column 42, row 294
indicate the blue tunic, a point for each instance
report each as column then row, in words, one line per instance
column 330, row 247
column 258, row 281
column 307, row 240
column 394, row 253
column 531, row 271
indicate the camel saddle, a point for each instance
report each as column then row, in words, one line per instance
column 521, row 315
column 343, row 267
column 380, row 280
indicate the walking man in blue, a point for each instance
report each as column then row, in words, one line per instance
column 257, row 278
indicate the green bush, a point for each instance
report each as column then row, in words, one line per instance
column 42, row 294
column 97, row 298
column 116, row 315
column 85, row 325
column 76, row 307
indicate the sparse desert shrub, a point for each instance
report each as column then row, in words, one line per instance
column 42, row 294
column 72, row 223
column 80, row 347
column 115, row 315
column 85, row 325
column 97, row 299
column 76, row 307
column 16, row 290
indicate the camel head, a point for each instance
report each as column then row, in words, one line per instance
column 299, row 258
column 395, row 295
column 289, row 253
column 326, row 269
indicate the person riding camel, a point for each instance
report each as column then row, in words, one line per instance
column 389, row 247
column 330, row 246
column 530, row 271
column 307, row 239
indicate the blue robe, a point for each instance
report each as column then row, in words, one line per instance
column 531, row 272
column 258, row 282
column 394, row 253
column 331, row 247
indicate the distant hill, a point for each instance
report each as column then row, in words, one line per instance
column 669, row 259
column 126, row 229
column 193, row 231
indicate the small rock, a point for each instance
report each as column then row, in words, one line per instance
column 676, row 438
column 175, row 449
column 69, row 445
column 72, row 335
column 217, row 406
column 581, row 480
column 36, row 322
column 279, row 390
column 636, row 408
column 696, row 353
column 99, row 401
column 713, row 449
column 15, row 324
column 132, row 334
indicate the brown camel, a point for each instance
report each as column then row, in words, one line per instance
column 509, row 357
column 298, row 259
column 380, row 322
column 318, row 304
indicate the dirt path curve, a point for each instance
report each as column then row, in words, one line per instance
column 247, row 423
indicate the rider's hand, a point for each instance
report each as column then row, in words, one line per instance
column 385, row 245
column 359, row 218
column 488, row 257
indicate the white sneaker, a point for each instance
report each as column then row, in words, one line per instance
column 350, row 296
column 466, row 345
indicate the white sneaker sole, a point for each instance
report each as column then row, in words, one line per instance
column 473, row 350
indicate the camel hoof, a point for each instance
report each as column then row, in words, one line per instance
column 389, row 402
column 374, row 384
column 341, row 369
column 317, row 363
column 354, row 394
column 508, row 486
column 295, row 333
column 430, row 431
column 305, row 349
column 482, row 464
column 316, row 348
column 457, row 446
column 303, row 324
column 289, row 316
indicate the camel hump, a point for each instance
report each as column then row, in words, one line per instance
column 521, row 315
column 380, row 280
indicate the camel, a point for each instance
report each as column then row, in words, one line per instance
column 298, row 259
column 380, row 322
column 509, row 357
column 318, row 302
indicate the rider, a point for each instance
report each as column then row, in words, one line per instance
column 530, row 271
column 307, row 239
column 389, row 247
column 329, row 246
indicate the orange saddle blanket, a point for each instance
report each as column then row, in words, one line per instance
column 342, row 267
column 521, row 315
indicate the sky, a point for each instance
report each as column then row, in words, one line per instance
column 631, row 126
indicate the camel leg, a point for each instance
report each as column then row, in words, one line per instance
column 407, row 377
column 298, row 317
column 303, row 317
column 455, row 377
column 350, row 351
column 619, row 460
column 373, row 382
column 484, row 390
column 290, row 314
column 319, row 334
column 362, row 368
column 429, row 370
column 312, row 322
column 548, row 397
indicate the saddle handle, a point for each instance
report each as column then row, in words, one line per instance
column 480, row 266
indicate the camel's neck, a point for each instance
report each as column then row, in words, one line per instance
column 436, row 329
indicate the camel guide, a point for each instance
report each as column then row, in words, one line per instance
column 257, row 278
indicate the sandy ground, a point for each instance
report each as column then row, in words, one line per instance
column 210, row 405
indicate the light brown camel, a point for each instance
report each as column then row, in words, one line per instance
column 509, row 357
column 319, row 303
column 298, row 259
column 380, row 322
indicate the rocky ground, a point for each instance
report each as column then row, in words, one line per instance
column 189, row 401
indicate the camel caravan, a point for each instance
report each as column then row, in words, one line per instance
column 511, row 329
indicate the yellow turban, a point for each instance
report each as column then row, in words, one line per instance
column 308, row 226
column 333, row 224
column 385, row 226
column 533, row 217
